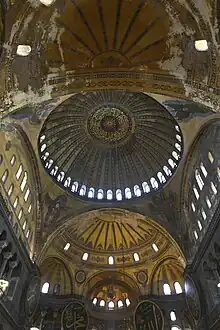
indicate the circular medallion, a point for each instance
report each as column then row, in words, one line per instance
column 74, row 316
column 80, row 276
column 142, row 277
column 33, row 296
column 148, row 315
column 192, row 298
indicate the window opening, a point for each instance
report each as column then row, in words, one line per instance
column 110, row 260
column 82, row 191
column 210, row 157
column 199, row 225
column 172, row 163
column 60, row 176
column 208, row 202
column 136, row 257
column 29, row 208
column 196, row 234
column 91, row 192
column 111, row 305
column 45, row 287
column 199, row 180
column 193, row 207
column 102, row 303
column 166, row 289
column 5, row 176
column 173, row 316
column 19, row 171
column 74, row 186
column 12, row 161
column 10, row 190
column 120, row 304
column 109, row 194
column 154, row 183
column 178, row 146
column 26, row 194
column 66, row 247
column 175, row 155
column 128, row 193
column 15, row 203
column 178, row 288
column 85, row 256
column 24, row 181
column 196, row 193
column 203, row 214
column 137, row 191
column 146, row 187
column 214, row 189
column 95, row 300
column 178, row 137
column 155, row 247
column 24, row 225
column 100, row 194
column 118, row 195
column 161, row 177
column 20, row 214
column 127, row 301
column 43, row 147
column 167, row 171
column 67, row 182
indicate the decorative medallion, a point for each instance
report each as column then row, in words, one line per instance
column 148, row 316
column 80, row 276
column 192, row 298
column 142, row 277
column 33, row 296
column 74, row 316
column 110, row 145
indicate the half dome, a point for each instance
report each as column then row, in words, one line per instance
column 110, row 145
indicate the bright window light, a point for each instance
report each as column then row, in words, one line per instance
column 120, row 304
column 218, row 285
column 111, row 305
column 166, row 289
column 127, row 301
column 136, row 257
column 175, row 328
column 85, row 256
column 193, row 207
column 203, row 214
column 45, row 287
column 178, row 288
column 196, row 234
column 200, row 225
column 23, row 50
column 208, row 202
column 95, row 300
column 47, row 2
column 210, row 157
column 214, row 189
column 154, row 246
column 102, row 303
column 111, row 260
column 201, row 45
column 34, row 328
column 66, row 247
column 173, row 316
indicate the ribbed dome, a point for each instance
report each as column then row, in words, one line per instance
column 110, row 145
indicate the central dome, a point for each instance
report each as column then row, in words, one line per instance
column 110, row 145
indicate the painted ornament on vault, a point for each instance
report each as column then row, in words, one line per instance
column 148, row 316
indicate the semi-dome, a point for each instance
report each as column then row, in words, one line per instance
column 110, row 145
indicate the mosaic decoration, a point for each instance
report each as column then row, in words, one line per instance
column 80, row 276
column 148, row 316
column 74, row 316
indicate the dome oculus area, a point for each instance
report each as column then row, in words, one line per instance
column 110, row 145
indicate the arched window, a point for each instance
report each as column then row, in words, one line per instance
column 75, row 186
column 210, row 157
column 54, row 171
column 175, row 155
column 110, row 260
column 20, row 214
column 49, row 164
column 208, row 202
column 137, row 191
column 146, row 187
column 118, row 195
column 203, row 214
column 27, row 194
column 203, row 169
column 193, row 207
column 67, row 182
column 42, row 138
column 196, row 193
column 60, row 176
column 199, row 179
column 66, row 247
column 178, row 288
column 154, row 183
column 196, row 234
column 91, row 192
column 155, row 247
column 10, row 190
column 177, row 128
column 161, row 177
column 127, row 301
column 136, row 257
column 178, row 146
column 43, row 147
column 128, row 193
column 12, row 161
column 172, row 163
column 30, row 208
column 102, row 303
column 56, row 289
column 167, row 171
column 15, row 203
column 166, row 289
column 24, row 225
column 94, row 301
column 175, row 328
column 199, row 225
column 19, row 171
column 109, row 195
column 24, row 181
column 45, row 287
column 178, row 137
column 173, row 316
column 5, row 176
column 45, row 156
column 111, row 305
column 100, row 194
column 82, row 191
column 85, row 256
column 214, row 189
column 28, row 233
column 120, row 304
